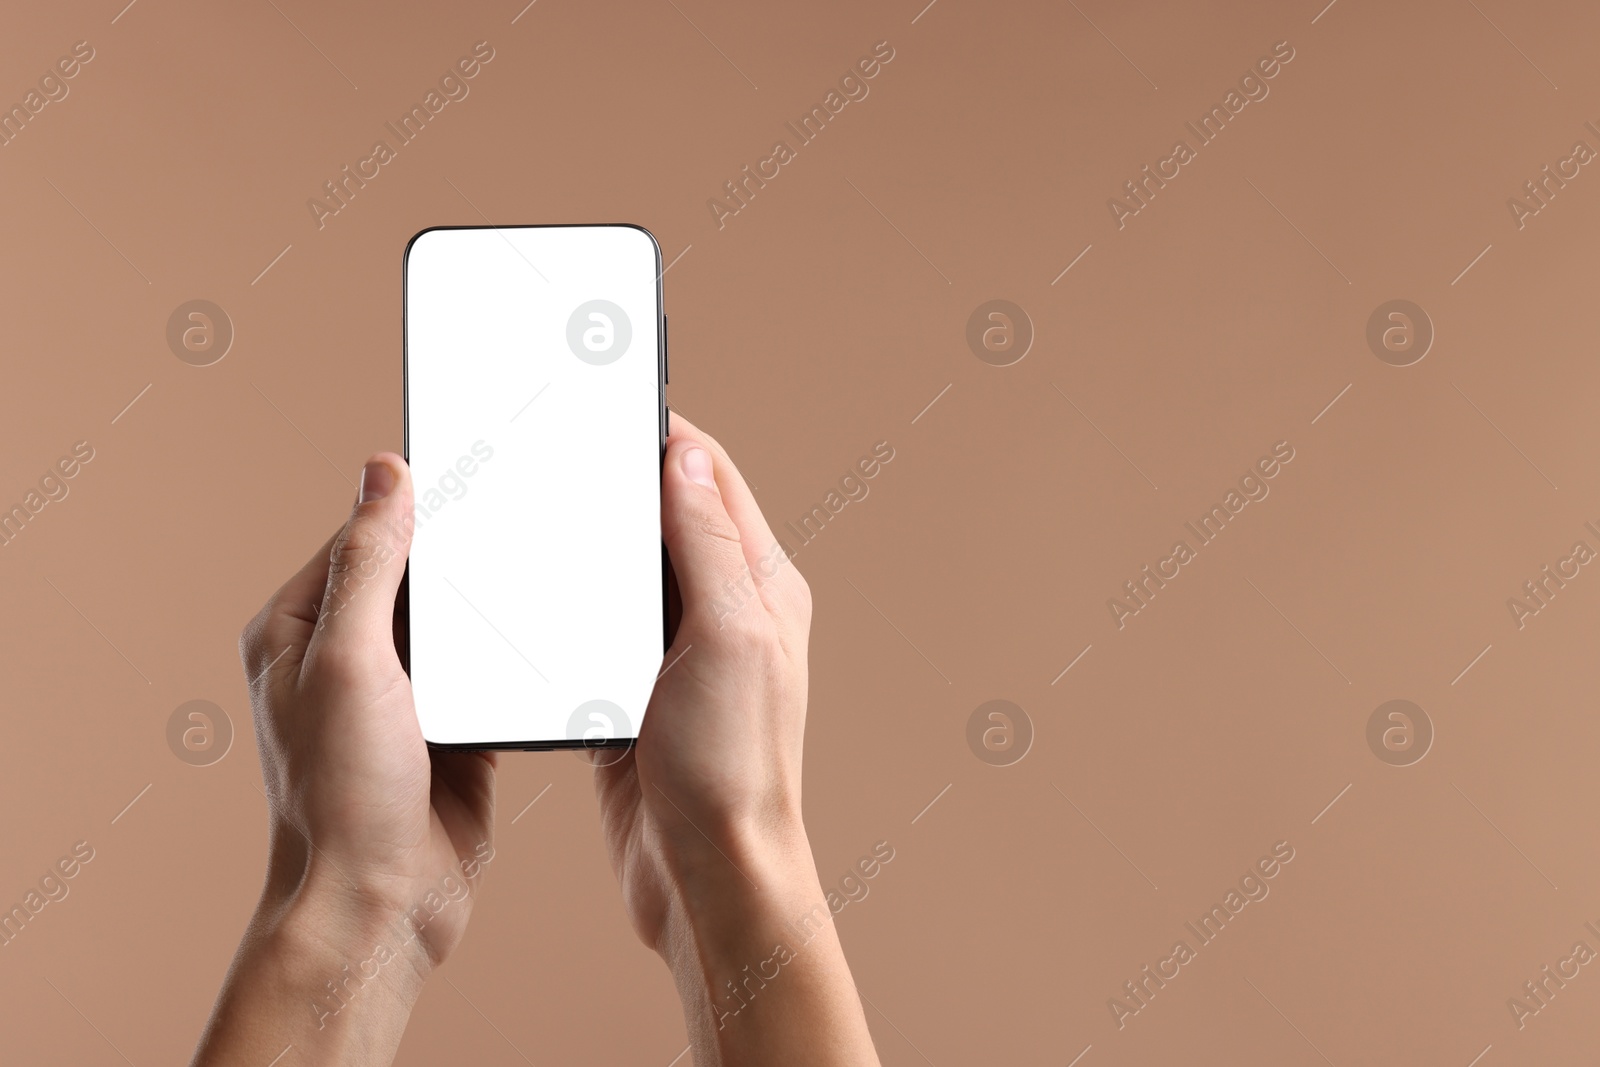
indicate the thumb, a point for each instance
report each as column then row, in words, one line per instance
column 365, row 565
column 703, row 543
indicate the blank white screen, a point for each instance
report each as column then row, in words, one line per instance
column 535, row 582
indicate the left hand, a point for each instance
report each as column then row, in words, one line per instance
column 361, row 811
column 375, row 843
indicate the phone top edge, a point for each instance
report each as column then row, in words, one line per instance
column 533, row 226
column 530, row 746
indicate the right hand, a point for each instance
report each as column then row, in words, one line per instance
column 702, row 815
column 711, row 791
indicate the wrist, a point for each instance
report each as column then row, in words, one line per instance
column 319, row 908
column 740, row 866
column 309, row 880
column 744, row 907
column 748, row 855
column 751, row 942
column 343, row 946
column 316, row 970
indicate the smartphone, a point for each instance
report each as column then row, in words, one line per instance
column 532, row 613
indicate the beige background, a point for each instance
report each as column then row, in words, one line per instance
column 823, row 318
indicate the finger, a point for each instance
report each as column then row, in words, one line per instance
column 674, row 605
column 736, row 495
column 462, row 796
column 365, row 564
column 767, row 559
column 286, row 621
column 703, row 543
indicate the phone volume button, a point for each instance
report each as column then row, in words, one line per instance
column 666, row 357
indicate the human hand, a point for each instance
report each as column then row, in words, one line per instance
column 358, row 801
column 702, row 816
column 374, row 841
column 719, row 751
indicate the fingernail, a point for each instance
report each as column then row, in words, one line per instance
column 697, row 465
column 377, row 479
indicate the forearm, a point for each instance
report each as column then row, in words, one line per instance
column 331, row 977
column 757, row 960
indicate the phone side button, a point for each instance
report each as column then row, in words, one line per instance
column 666, row 357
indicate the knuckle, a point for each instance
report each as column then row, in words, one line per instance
column 791, row 592
column 337, row 666
column 746, row 634
column 769, row 566
column 716, row 526
column 250, row 643
column 362, row 546
column 264, row 641
column 701, row 528
column 802, row 594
